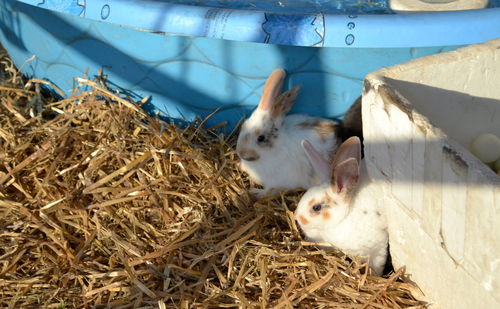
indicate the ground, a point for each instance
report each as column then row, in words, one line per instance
column 103, row 206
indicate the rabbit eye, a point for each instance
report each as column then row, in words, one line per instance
column 261, row 138
column 317, row 207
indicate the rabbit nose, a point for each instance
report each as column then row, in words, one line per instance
column 248, row 155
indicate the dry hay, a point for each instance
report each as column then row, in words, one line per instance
column 103, row 206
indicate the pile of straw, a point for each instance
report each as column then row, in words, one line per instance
column 103, row 206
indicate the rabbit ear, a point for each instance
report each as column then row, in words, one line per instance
column 272, row 88
column 284, row 102
column 319, row 164
column 350, row 148
column 345, row 176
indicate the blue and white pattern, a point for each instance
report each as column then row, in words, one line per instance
column 75, row 7
column 302, row 30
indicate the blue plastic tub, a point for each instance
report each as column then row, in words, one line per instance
column 193, row 59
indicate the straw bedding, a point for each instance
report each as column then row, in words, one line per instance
column 103, row 206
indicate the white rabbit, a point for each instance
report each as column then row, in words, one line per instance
column 343, row 210
column 269, row 143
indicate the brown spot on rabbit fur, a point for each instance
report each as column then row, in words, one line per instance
column 326, row 215
column 303, row 220
column 325, row 129
column 308, row 124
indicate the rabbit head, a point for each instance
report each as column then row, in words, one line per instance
column 262, row 128
column 328, row 203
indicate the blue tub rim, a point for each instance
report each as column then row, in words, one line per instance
column 313, row 30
